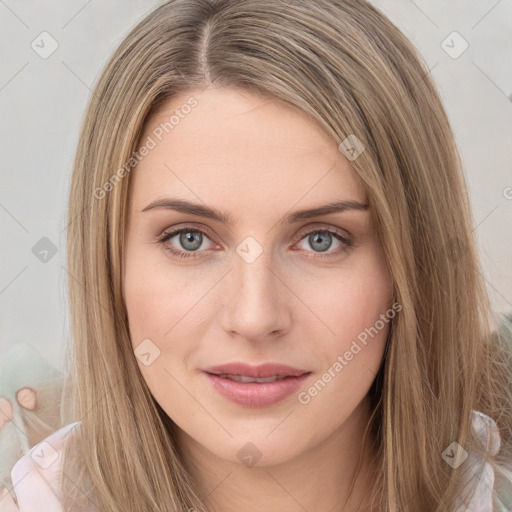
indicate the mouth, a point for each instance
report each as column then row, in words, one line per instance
column 256, row 386
column 246, row 378
column 262, row 371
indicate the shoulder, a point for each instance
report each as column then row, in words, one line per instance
column 481, row 473
column 487, row 431
column 37, row 474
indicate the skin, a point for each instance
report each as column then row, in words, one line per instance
column 6, row 411
column 27, row 398
column 257, row 159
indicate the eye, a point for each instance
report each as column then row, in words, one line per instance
column 321, row 240
column 191, row 239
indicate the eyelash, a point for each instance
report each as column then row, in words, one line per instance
column 347, row 243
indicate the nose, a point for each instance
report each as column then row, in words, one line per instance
column 256, row 304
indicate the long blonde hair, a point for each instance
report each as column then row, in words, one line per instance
column 345, row 65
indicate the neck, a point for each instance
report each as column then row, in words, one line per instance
column 336, row 475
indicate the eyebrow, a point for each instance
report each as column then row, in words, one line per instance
column 200, row 210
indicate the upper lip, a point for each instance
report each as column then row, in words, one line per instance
column 260, row 371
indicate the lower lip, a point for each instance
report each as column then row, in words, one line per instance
column 256, row 394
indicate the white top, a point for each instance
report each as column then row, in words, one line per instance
column 36, row 475
column 488, row 434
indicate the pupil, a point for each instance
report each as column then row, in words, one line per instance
column 191, row 237
column 324, row 239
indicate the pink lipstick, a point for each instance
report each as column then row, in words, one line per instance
column 256, row 386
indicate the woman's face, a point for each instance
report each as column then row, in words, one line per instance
column 252, row 279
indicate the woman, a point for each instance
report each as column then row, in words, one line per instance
column 275, row 291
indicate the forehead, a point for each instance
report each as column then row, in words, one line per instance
column 233, row 145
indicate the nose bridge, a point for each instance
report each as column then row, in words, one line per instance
column 257, row 278
column 254, row 306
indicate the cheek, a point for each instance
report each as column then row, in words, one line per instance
column 156, row 298
column 164, row 306
column 358, row 312
column 356, row 306
column 142, row 301
column 155, row 303
column 349, row 302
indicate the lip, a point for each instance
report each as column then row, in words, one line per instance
column 256, row 394
column 260, row 371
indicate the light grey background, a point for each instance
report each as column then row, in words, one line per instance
column 42, row 103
